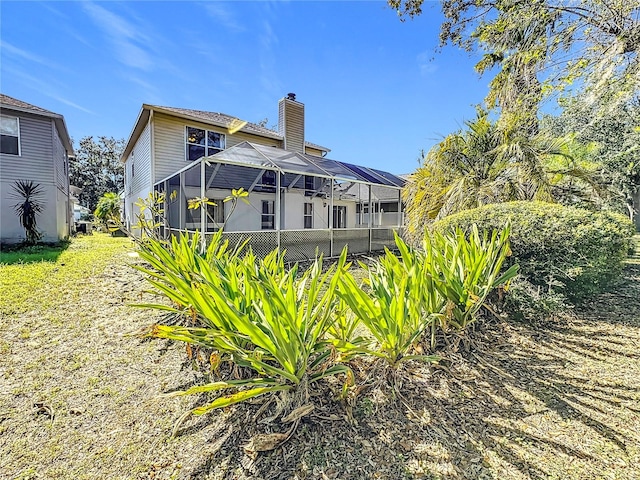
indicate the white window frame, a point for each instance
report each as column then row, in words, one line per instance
column 307, row 216
column 272, row 215
column 19, row 139
column 206, row 136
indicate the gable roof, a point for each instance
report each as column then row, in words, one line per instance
column 10, row 103
column 211, row 118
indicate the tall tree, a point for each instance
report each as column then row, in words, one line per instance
column 609, row 136
column 97, row 168
column 490, row 163
column 542, row 46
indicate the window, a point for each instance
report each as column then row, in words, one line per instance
column 9, row 135
column 267, row 182
column 268, row 215
column 202, row 143
column 309, row 185
column 339, row 216
column 308, row 215
column 215, row 215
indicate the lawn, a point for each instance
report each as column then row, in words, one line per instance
column 80, row 393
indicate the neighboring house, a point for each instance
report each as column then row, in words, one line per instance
column 35, row 146
column 321, row 202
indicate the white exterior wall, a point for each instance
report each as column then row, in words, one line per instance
column 39, row 162
column 294, row 211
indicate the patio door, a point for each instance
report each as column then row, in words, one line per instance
column 339, row 216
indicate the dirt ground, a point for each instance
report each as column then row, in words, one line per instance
column 81, row 398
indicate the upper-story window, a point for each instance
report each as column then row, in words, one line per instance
column 9, row 135
column 202, row 143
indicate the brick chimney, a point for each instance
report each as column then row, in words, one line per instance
column 291, row 123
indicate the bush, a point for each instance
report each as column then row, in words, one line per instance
column 564, row 250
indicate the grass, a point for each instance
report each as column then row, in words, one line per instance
column 81, row 399
column 10, row 255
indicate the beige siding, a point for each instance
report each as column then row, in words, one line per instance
column 138, row 172
column 291, row 118
column 313, row 151
column 35, row 160
column 170, row 142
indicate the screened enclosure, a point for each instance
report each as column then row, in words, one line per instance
column 302, row 203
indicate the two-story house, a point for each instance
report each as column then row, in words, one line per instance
column 35, row 146
column 297, row 196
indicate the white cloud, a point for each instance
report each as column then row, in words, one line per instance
column 222, row 14
column 131, row 46
column 14, row 51
column 426, row 63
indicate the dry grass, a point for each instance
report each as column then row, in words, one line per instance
column 80, row 399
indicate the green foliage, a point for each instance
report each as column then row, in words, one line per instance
column 108, row 209
column 257, row 312
column 444, row 285
column 465, row 269
column 28, row 208
column 561, row 249
column 396, row 305
column 537, row 47
column 10, row 255
column 490, row 162
column 97, row 168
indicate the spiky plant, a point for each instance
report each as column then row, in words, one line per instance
column 28, row 208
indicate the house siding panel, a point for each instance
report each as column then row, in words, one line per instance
column 36, row 150
column 170, row 142
column 139, row 163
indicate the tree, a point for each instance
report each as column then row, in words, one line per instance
column 542, row 46
column 97, row 168
column 491, row 163
column 609, row 136
column 108, row 209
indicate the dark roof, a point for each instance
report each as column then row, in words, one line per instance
column 10, row 103
column 6, row 100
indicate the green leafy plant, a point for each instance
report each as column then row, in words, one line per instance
column 465, row 269
column 256, row 312
column 236, row 194
column 28, row 208
column 565, row 250
column 108, row 209
column 396, row 303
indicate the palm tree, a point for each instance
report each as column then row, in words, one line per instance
column 108, row 208
column 486, row 163
column 28, row 208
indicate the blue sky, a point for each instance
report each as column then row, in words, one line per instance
column 375, row 90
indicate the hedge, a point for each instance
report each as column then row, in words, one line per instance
column 568, row 250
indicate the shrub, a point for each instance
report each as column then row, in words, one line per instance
column 564, row 250
column 255, row 312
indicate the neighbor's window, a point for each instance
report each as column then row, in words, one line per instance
column 308, row 215
column 202, row 143
column 268, row 215
column 9, row 135
column 309, row 185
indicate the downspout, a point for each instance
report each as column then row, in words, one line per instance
column 330, row 216
column 277, row 208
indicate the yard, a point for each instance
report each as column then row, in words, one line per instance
column 80, row 393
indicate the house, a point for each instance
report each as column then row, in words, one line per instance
column 299, row 199
column 35, row 146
